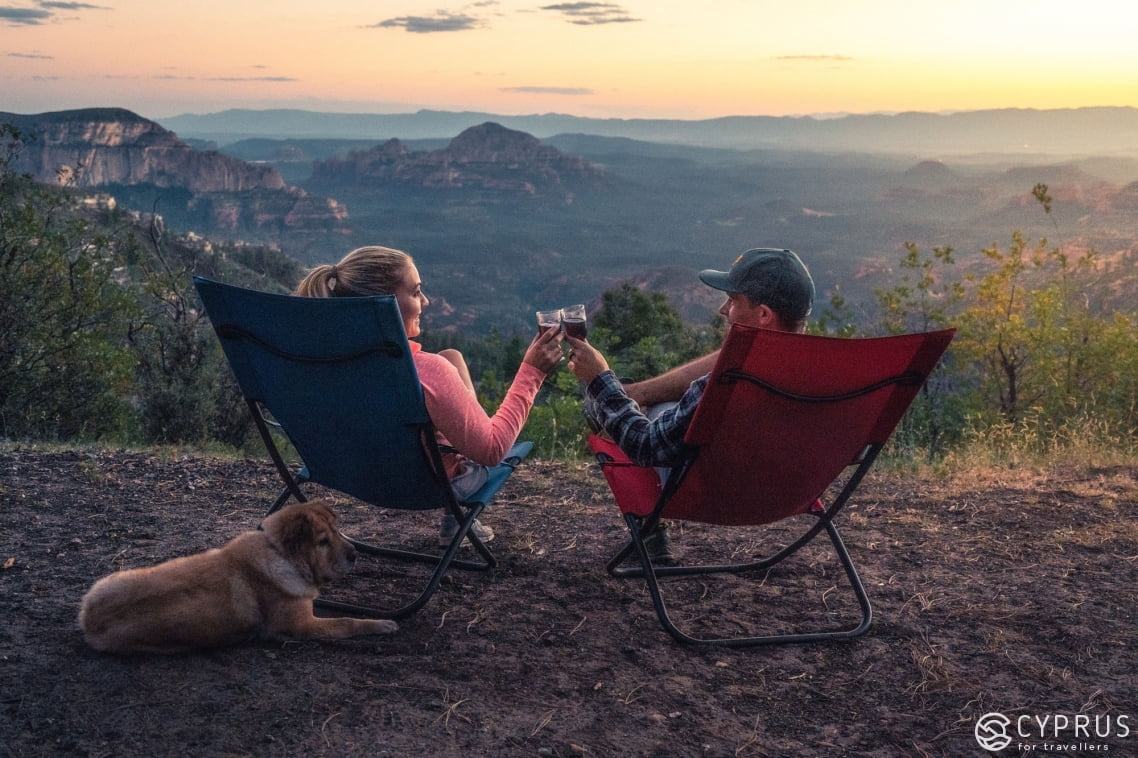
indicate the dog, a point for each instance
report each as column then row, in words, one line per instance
column 259, row 586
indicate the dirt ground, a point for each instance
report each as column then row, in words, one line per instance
column 1011, row 593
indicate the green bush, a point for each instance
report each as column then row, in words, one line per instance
column 64, row 368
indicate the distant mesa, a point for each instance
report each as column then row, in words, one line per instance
column 930, row 175
column 115, row 148
column 95, row 147
column 487, row 157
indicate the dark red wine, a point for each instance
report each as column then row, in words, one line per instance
column 576, row 328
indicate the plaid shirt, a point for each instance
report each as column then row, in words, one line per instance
column 648, row 442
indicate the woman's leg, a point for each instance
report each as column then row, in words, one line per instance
column 464, row 485
column 455, row 358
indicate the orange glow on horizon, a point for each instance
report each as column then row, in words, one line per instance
column 641, row 60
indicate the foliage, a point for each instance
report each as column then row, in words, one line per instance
column 64, row 371
column 1035, row 355
column 632, row 316
column 100, row 333
column 923, row 299
column 837, row 318
column 557, row 423
column 1042, row 350
column 186, row 391
column 642, row 335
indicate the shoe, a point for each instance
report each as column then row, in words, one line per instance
column 659, row 547
column 448, row 527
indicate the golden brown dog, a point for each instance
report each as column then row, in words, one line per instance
column 260, row 585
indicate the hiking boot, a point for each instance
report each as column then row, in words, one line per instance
column 448, row 527
column 659, row 547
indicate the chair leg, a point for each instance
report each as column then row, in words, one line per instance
column 466, row 512
column 442, row 564
column 652, row 573
column 282, row 498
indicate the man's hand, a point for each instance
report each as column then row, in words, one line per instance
column 585, row 361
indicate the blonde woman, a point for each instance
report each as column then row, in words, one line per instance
column 447, row 387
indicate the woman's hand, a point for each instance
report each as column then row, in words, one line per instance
column 585, row 361
column 544, row 353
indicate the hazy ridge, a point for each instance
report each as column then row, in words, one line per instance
column 1078, row 131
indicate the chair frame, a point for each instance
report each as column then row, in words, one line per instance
column 641, row 527
column 464, row 511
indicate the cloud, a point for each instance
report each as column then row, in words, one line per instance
column 442, row 21
column 23, row 16
column 180, row 78
column 71, row 6
column 42, row 14
column 816, row 58
column 32, row 56
column 549, row 90
column 590, row 14
column 253, row 79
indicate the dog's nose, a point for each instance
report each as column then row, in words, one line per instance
column 350, row 554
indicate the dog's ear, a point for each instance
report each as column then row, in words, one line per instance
column 322, row 509
column 304, row 525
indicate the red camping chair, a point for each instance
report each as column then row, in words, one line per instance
column 784, row 418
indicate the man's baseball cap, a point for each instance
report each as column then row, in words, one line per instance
column 776, row 278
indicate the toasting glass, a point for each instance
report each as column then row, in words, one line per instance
column 573, row 317
column 547, row 320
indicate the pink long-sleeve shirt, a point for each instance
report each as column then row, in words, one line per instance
column 462, row 422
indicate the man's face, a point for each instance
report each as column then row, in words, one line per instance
column 738, row 309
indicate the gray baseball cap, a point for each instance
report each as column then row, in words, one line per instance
column 776, row 278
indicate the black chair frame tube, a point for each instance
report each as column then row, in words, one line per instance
column 465, row 513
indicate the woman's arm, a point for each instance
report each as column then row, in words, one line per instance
column 455, row 411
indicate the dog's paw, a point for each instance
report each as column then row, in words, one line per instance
column 382, row 627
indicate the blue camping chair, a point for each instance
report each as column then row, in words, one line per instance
column 335, row 376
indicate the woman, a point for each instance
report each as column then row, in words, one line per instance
column 447, row 387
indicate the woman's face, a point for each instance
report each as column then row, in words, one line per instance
column 411, row 300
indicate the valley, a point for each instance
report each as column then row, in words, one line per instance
column 502, row 223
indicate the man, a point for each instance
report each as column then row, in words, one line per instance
column 765, row 287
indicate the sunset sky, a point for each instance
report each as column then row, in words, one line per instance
column 683, row 59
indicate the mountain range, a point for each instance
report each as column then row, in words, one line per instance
column 502, row 222
column 1019, row 132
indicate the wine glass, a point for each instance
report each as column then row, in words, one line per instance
column 547, row 320
column 573, row 318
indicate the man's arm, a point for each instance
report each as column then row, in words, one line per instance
column 671, row 385
column 648, row 442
